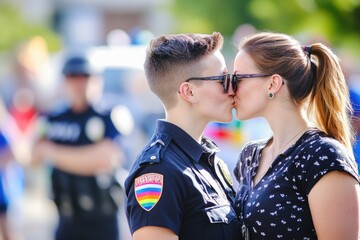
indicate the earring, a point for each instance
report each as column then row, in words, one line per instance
column 271, row 95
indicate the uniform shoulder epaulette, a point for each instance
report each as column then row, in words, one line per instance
column 153, row 152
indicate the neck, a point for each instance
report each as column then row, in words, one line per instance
column 79, row 106
column 188, row 122
column 287, row 130
column 288, row 143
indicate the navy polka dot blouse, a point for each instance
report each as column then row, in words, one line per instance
column 277, row 206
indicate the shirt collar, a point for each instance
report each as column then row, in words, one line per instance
column 185, row 141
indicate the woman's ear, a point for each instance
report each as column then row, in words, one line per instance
column 275, row 83
column 186, row 92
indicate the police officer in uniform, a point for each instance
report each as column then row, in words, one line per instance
column 178, row 188
column 82, row 144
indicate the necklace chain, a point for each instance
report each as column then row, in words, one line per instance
column 272, row 152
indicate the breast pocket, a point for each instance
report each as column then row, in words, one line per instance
column 220, row 214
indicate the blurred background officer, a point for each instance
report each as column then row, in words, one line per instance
column 82, row 144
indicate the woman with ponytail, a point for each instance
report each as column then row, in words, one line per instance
column 301, row 183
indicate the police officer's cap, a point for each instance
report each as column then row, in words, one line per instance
column 77, row 65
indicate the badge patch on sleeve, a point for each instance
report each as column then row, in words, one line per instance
column 148, row 189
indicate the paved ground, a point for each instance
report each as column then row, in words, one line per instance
column 32, row 214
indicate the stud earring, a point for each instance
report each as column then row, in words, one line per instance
column 271, row 95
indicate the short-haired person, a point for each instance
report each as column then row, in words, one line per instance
column 178, row 188
column 82, row 145
column 302, row 182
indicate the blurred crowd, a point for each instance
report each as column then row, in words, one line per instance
column 31, row 85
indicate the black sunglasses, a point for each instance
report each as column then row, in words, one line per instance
column 236, row 78
column 225, row 79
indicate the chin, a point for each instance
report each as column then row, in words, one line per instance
column 241, row 117
column 225, row 119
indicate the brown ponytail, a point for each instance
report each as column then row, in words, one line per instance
column 329, row 101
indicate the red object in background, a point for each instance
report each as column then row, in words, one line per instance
column 23, row 118
column 23, row 108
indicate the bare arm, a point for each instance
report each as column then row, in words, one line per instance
column 154, row 233
column 335, row 207
column 84, row 160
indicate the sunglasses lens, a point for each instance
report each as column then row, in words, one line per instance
column 234, row 82
column 226, row 82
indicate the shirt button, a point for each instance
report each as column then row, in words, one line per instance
column 153, row 157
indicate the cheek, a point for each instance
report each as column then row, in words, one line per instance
column 215, row 99
column 215, row 102
column 248, row 102
column 245, row 93
column 213, row 93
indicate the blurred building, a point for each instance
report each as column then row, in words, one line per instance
column 84, row 23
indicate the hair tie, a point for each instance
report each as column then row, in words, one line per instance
column 307, row 50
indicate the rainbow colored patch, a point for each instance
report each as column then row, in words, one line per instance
column 148, row 189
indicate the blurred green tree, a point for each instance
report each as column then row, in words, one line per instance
column 15, row 29
column 337, row 21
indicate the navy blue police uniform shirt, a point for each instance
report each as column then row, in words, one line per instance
column 78, row 129
column 178, row 184
column 85, row 198
column 277, row 206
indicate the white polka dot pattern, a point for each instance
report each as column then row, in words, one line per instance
column 277, row 207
